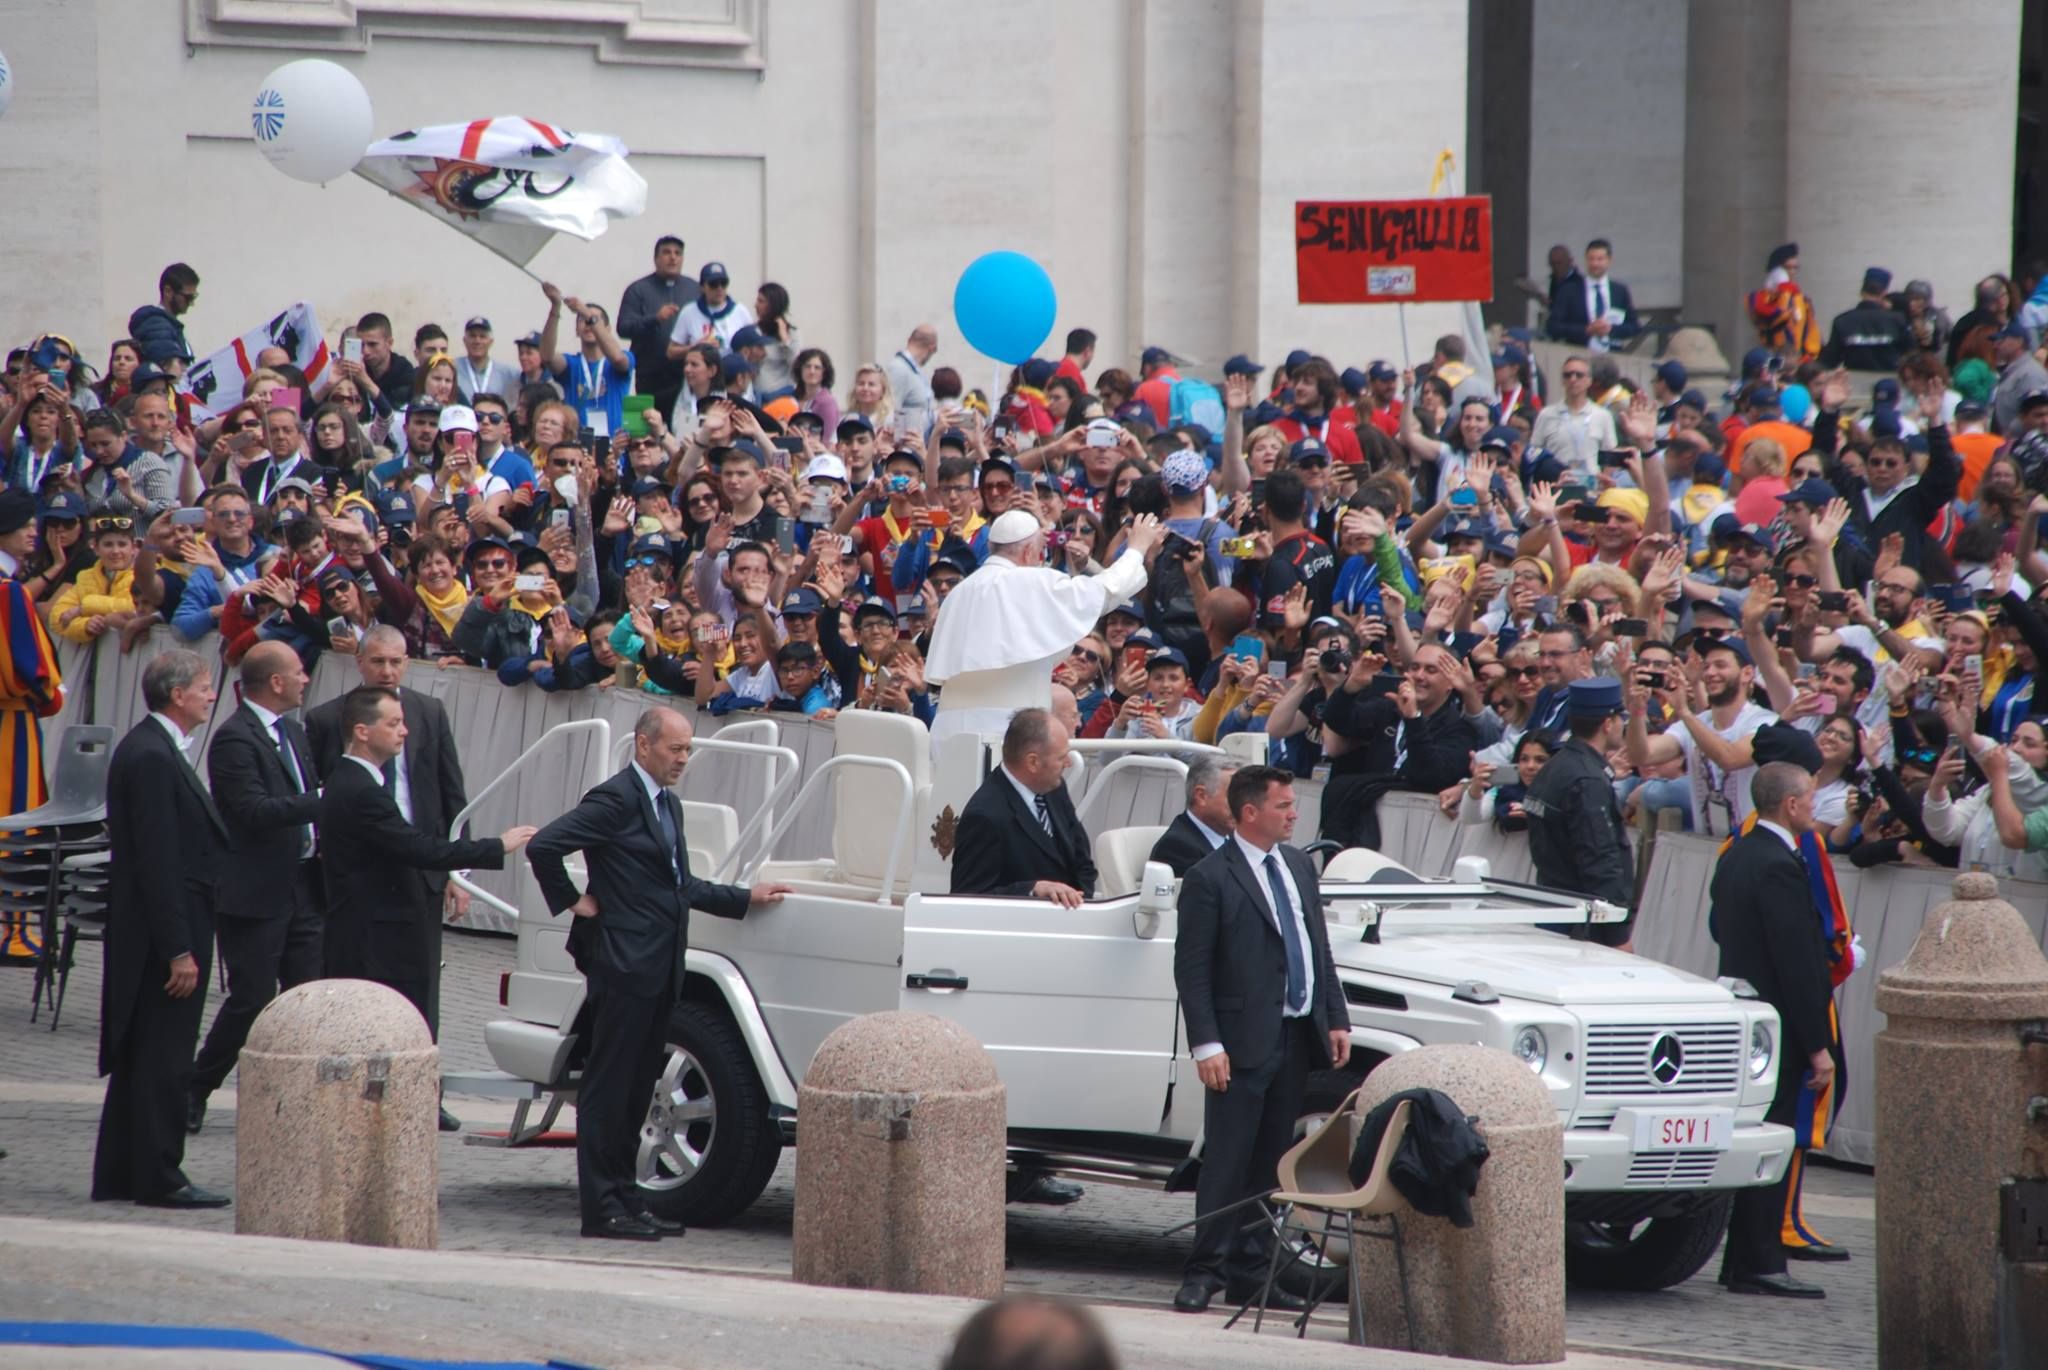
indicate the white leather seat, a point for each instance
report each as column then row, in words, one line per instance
column 710, row 832
column 1358, row 864
column 1120, row 856
column 865, row 800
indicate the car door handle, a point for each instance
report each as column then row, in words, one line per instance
column 935, row 979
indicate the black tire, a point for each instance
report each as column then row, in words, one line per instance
column 722, row 1126
column 1655, row 1254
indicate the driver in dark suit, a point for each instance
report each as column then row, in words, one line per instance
column 1019, row 834
column 1263, row 1006
column 631, row 931
column 1205, row 824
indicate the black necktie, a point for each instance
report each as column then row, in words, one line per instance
column 668, row 833
column 1599, row 300
column 1283, row 910
column 290, row 758
column 391, row 779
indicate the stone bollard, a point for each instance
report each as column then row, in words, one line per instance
column 336, row 1119
column 1961, row 1277
column 1493, row 1291
column 900, row 1160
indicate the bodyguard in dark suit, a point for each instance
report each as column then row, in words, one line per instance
column 169, row 846
column 1762, row 915
column 629, row 937
column 1263, row 1007
column 426, row 777
column 1019, row 834
column 271, row 907
column 1581, row 302
column 1205, row 824
column 383, row 920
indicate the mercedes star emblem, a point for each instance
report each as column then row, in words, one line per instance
column 1667, row 1059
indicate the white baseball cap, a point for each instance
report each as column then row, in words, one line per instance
column 458, row 418
column 825, row 466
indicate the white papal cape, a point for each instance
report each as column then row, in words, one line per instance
column 1003, row 629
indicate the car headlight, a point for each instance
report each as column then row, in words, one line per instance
column 1531, row 1048
column 1761, row 1049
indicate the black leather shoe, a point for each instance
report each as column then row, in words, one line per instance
column 195, row 1114
column 191, row 1196
column 624, row 1228
column 1037, row 1187
column 449, row 1122
column 1279, row 1301
column 1194, row 1295
column 1820, row 1251
column 667, row 1227
column 1779, row 1286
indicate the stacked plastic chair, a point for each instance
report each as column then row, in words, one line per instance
column 53, row 861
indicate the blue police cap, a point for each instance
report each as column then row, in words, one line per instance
column 1599, row 697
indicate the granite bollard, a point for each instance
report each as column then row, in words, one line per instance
column 337, row 1106
column 900, row 1159
column 1493, row 1291
column 1962, row 1140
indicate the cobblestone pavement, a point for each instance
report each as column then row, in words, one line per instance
column 1107, row 1247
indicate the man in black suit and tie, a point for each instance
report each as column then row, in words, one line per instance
column 1263, row 1008
column 1762, row 915
column 1019, row 834
column 383, row 920
column 1205, row 824
column 271, row 906
column 425, row 779
column 169, row 846
column 629, row 937
column 1591, row 308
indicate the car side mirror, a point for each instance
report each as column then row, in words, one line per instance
column 1158, row 888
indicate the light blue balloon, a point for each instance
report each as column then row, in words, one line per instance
column 1004, row 306
column 1795, row 402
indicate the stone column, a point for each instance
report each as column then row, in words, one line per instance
column 1958, row 1139
column 1900, row 132
column 337, row 1123
column 1493, row 1291
column 902, row 1125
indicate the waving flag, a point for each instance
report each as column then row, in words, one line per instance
column 216, row 384
column 509, row 183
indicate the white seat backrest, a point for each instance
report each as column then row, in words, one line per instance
column 1356, row 864
column 865, row 800
column 1120, row 856
column 709, row 832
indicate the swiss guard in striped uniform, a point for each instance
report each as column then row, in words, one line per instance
column 30, row 690
column 1784, row 742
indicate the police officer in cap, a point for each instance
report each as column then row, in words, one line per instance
column 1575, row 829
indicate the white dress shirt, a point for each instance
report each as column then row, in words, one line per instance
column 181, row 738
column 1784, row 834
column 1256, row 859
column 291, row 765
column 1214, row 838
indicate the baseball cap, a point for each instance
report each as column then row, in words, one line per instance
column 853, row 425
column 1509, row 356
column 1129, row 608
column 1241, row 365
column 1037, row 372
column 394, row 506
column 292, row 483
column 458, row 418
column 1184, row 471
column 531, row 340
column 1761, row 361
column 900, row 455
column 825, row 466
column 1002, row 464
column 1382, row 371
column 479, row 324
column 2033, row 399
column 802, row 600
column 1673, row 374
column 2012, row 330
column 654, row 545
column 1166, row 656
column 953, row 437
column 1693, row 399
column 1309, row 452
column 732, row 366
column 1154, row 356
column 713, row 273
column 1815, row 492
column 1463, row 528
column 1728, row 528
column 1352, row 379
column 745, row 447
column 68, row 504
column 426, row 407
column 870, row 607
column 748, row 336
column 1300, row 356
column 648, row 485
column 1502, row 438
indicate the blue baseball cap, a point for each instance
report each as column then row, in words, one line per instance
column 732, row 366
column 713, row 273
column 1154, row 356
column 1673, row 374
column 1300, row 356
column 1166, row 656
column 1463, row 528
column 1500, row 436
column 1310, row 451
column 1130, row 608
column 1509, row 356
column 1815, row 492
column 1241, row 365
column 395, row 506
column 1693, row 399
column 69, row 504
column 1761, row 361
column 853, row 424
column 654, row 545
column 1352, row 379
column 1381, row 371
column 802, row 601
column 748, row 336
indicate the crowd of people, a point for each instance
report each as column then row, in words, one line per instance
column 1395, row 575
column 1559, row 603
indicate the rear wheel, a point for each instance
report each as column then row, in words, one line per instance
column 708, row 1146
column 1652, row 1253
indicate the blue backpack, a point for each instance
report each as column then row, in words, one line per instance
column 1195, row 401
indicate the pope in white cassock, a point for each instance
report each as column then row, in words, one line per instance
column 1003, row 629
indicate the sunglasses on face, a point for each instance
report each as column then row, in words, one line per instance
column 249, row 426
column 696, row 500
column 649, row 562
column 1524, row 672
column 1578, row 375
column 492, row 564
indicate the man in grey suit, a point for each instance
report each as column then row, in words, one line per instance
column 630, row 934
column 1263, row 1006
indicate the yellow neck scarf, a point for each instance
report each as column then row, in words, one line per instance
column 445, row 608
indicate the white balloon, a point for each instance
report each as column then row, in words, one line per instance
column 6, row 84
column 312, row 120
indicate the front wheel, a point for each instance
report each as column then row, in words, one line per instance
column 1654, row 1253
column 708, row 1146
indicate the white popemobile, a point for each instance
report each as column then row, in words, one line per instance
column 1660, row 1078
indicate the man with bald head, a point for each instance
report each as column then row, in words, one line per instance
column 1066, row 709
column 909, row 384
column 264, row 783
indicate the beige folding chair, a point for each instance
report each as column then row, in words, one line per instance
column 1315, row 1175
